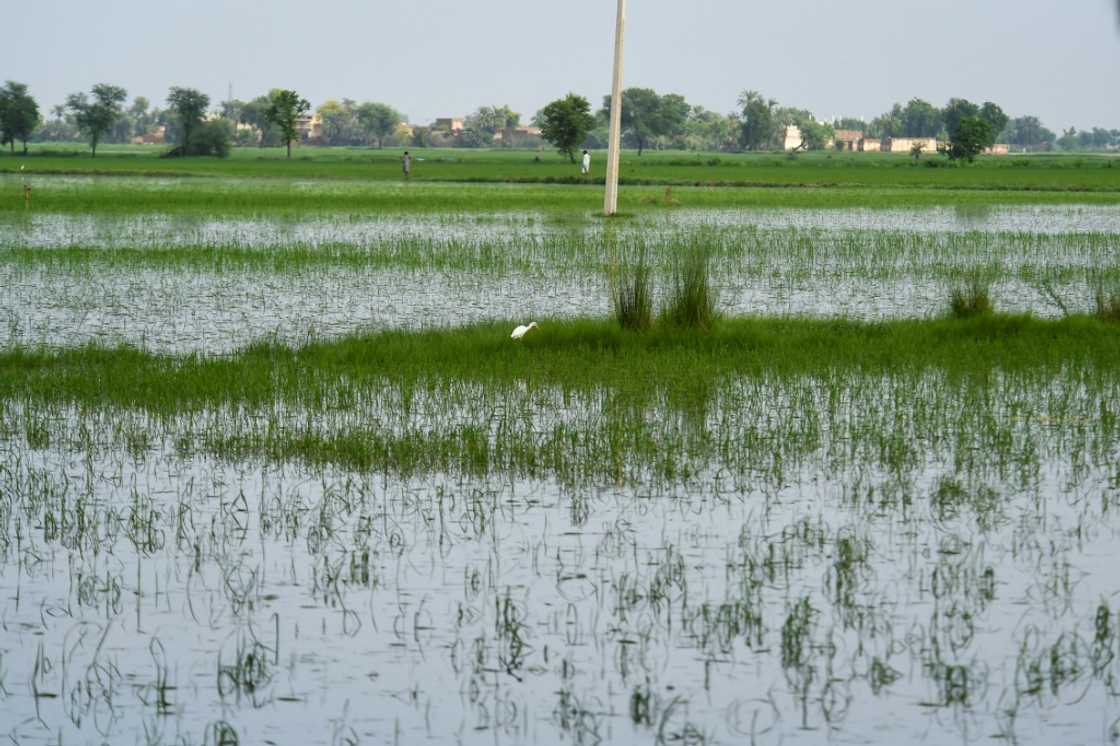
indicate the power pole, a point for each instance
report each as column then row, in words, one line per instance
column 610, row 198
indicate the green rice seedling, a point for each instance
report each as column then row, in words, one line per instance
column 692, row 300
column 1108, row 304
column 971, row 299
column 632, row 293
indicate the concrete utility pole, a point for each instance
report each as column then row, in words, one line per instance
column 610, row 198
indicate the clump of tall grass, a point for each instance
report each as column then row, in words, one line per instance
column 1108, row 304
column 971, row 299
column 632, row 294
column 692, row 300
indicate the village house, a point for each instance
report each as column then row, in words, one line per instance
column 792, row 139
column 518, row 136
column 907, row 144
column 847, row 140
column 870, row 145
column 155, row 136
column 310, row 127
column 447, row 124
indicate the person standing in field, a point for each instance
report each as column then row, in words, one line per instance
column 406, row 164
column 585, row 167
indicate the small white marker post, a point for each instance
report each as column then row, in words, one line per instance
column 610, row 197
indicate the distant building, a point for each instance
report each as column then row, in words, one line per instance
column 518, row 136
column 310, row 127
column 870, row 145
column 156, row 136
column 907, row 144
column 448, row 124
column 847, row 140
column 998, row 149
column 792, row 139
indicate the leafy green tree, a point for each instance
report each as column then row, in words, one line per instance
column 378, row 121
column 1068, row 141
column 490, row 119
column 254, row 113
column 956, row 110
column 888, row 124
column 787, row 116
column 189, row 107
column 708, row 130
column 565, row 123
column 920, row 119
column 815, row 135
column 139, row 117
column 1027, row 132
column 969, row 138
column 285, row 107
column 646, row 115
column 96, row 116
column 995, row 118
column 340, row 122
column 19, row 114
column 673, row 116
column 756, row 120
column 211, row 138
column 850, row 123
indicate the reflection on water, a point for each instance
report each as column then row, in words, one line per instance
column 179, row 284
column 45, row 230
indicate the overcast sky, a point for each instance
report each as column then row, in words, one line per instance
column 1058, row 59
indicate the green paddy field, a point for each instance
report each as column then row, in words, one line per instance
column 271, row 467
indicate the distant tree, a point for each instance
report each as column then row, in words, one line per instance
column 340, row 122
column 19, row 115
column 708, row 130
column 189, row 107
column 421, row 137
column 787, row 116
column 646, row 115
column 285, row 107
column 1068, row 140
column 815, row 135
column 490, row 119
column 96, row 116
column 1027, row 132
column 920, row 119
column 211, row 138
column 254, row 113
column 673, row 116
column 888, row 124
column 850, row 123
column 138, row 116
column 995, row 118
column 956, row 110
column 756, row 120
column 378, row 121
column 232, row 109
column 565, row 123
column 969, row 138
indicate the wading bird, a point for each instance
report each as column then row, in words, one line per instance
column 522, row 330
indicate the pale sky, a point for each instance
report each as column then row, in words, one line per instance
column 1057, row 59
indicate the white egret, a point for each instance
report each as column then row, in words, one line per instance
column 522, row 330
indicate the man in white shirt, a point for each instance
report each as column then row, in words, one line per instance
column 585, row 168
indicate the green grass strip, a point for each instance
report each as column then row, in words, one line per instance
column 572, row 354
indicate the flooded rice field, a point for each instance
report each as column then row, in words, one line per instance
column 177, row 284
column 852, row 555
column 863, row 559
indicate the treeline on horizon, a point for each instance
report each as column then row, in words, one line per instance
column 650, row 121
